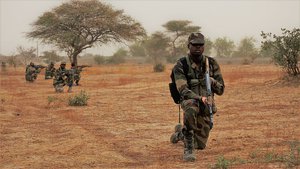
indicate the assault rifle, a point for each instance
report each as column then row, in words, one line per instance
column 40, row 66
column 83, row 66
column 209, row 93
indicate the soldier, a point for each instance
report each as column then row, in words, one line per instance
column 63, row 77
column 3, row 66
column 76, row 70
column 192, row 89
column 50, row 71
column 32, row 71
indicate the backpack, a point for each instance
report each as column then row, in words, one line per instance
column 172, row 86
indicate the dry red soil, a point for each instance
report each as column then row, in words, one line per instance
column 130, row 117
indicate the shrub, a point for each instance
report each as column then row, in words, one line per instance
column 100, row 60
column 159, row 67
column 79, row 100
column 222, row 163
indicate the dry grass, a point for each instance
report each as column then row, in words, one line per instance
column 130, row 117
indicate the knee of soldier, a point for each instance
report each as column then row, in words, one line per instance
column 190, row 105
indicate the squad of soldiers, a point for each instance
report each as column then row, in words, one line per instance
column 195, row 75
column 61, row 76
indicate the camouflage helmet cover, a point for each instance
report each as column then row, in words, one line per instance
column 63, row 63
column 196, row 38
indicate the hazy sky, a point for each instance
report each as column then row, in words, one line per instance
column 234, row 19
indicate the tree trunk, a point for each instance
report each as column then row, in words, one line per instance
column 74, row 57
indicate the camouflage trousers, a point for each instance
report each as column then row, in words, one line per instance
column 59, row 85
column 30, row 77
column 196, row 121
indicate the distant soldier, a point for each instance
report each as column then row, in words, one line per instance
column 32, row 71
column 50, row 71
column 3, row 66
column 77, row 70
column 63, row 77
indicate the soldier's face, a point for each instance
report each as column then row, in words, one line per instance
column 196, row 49
column 63, row 66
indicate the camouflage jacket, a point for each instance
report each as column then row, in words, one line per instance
column 76, row 71
column 49, row 72
column 63, row 76
column 192, row 85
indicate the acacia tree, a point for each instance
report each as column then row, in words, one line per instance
column 224, row 47
column 285, row 49
column 208, row 46
column 157, row 47
column 51, row 56
column 179, row 29
column 137, row 49
column 77, row 25
column 247, row 50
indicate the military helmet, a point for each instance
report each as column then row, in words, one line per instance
column 63, row 63
column 31, row 64
column 196, row 38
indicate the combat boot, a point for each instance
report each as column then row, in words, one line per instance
column 189, row 154
column 70, row 90
column 175, row 137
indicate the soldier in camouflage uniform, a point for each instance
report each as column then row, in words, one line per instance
column 192, row 89
column 31, row 72
column 63, row 77
column 76, row 70
column 50, row 71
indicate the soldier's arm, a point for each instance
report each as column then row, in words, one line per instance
column 217, row 82
column 181, row 83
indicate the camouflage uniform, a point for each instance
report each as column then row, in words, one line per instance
column 3, row 66
column 76, row 73
column 31, row 72
column 63, row 77
column 196, row 117
column 192, row 87
column 50, row 71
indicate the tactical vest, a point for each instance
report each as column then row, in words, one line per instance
column 195, row 84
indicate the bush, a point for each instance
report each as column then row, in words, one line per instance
column 284, row 48
column 79, row 100
column 159, row 67
column 100, row 60
column 116, row 59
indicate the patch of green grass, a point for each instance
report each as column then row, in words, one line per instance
column 291, row 159
column 79, row 100
column 222, row 163
column 51, row 99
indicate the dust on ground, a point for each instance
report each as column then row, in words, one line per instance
column 130, row 117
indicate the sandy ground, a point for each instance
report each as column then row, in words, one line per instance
column 130, row 117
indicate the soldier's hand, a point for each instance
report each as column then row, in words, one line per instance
column 204, row 99
column 207, row 100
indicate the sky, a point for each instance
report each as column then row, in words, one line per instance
column 234, row 19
